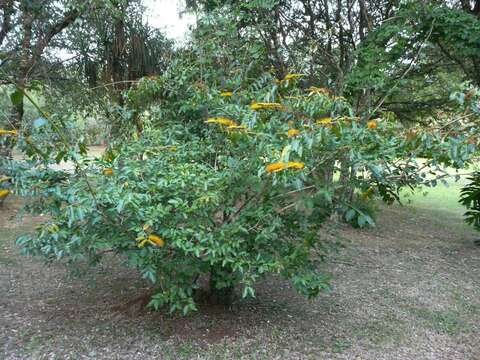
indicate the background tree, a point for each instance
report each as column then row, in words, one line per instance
column 28, row 29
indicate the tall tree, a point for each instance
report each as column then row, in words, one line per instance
column 28, row 29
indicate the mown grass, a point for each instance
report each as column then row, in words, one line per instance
column 444, row 196
column 440, row 197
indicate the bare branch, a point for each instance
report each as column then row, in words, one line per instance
column 56, row 28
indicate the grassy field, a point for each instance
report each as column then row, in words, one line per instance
column 407, row 289
column 441, row 197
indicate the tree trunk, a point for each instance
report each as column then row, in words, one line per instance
column 346, row 175
column 218, row 293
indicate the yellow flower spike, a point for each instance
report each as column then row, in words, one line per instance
column 226, row 94
column 295, row 165
column 278, row 166
column 372, row 124
column 4, row 193
column 221, row 121
column 266, row 106
column 108, row 172
column 290, row 77
column 293, row 133
column 324, row 121
column 4, row 132
column 237, row 127
column 156, row 240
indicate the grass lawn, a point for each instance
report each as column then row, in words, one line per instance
column 441, row 197
column 407, row 289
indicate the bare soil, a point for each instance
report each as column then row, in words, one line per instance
column 407, row 289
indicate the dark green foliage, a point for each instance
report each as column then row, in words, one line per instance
column 360, row 213
column 201, row 179
column 470, row 198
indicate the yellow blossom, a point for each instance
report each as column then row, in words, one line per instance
column 295, row 165
column 156, row 240
column 8, row 132
column 226, row 94
column 266, row 106
column 237, row 127
column 4, row 193
column 278, row 166
column 372, row 124
column 290, row 77
column 221, row 121
column 293, row 132
column 324, row 121
column 108, row 172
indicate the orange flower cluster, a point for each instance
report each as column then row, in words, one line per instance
column 279, row 166
column 372, row 124
column 108, row 172
column 151, row 239
column 293, row 133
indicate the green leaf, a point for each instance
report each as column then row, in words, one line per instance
column 16, row 97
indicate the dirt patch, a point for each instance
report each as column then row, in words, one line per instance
column 408, row 289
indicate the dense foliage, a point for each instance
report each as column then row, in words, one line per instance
column 223, row 163
column 238, row 197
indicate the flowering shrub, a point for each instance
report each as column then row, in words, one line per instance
column 236, row 195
